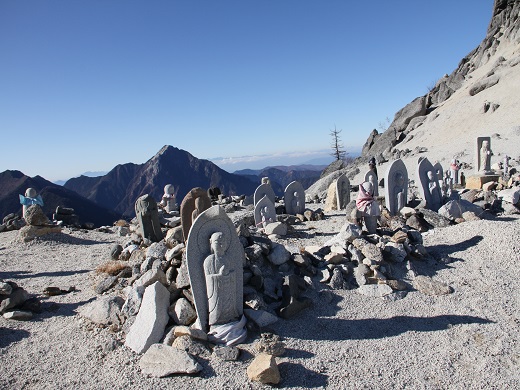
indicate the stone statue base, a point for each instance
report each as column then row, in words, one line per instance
column 29, row 232
column 476, row 182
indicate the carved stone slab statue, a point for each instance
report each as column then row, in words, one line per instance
column 371, row 177
column 396, row 187
column 343, row 191
column 483, row 163
column 148, row 218
column 294, row 197
column 264, row 189
column 429, row 185
column 214, row 257
column 265, row 213
column 193, row 204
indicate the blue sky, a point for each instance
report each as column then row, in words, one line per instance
column 87, row 85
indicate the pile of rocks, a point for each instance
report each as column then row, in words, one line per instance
column 12, row 222
column 16, row 303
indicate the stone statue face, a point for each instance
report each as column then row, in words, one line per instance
column 217, row 243
column 485, row 145
column 430, row 176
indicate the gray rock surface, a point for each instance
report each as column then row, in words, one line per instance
column 148, row 327
column 162, row 360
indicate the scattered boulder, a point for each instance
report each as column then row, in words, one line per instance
column 105, row 310
column 264, row 369
column 162, row 360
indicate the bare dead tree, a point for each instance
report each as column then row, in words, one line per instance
column 338, row 152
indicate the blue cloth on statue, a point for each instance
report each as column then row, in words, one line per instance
column 26, row 201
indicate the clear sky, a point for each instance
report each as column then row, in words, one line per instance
column 87, row 85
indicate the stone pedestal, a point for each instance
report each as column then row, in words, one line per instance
column 476, row 182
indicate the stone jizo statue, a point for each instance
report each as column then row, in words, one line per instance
column 265, row 213
column 396, row 187
column 294, row 197
column 484, row 153
column 368, row 207
column 168, row 199
column 214, row 257
column 193, row 204
column 148, row 218
column 429, row 185
column 30, row 198
column 343, row 192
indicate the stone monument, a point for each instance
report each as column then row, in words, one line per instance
column 343, row 191
column 194, row 203
column 396, row 187
column 294, row 198
column 148, row 217
column 214, row 257
column 483, row 172
column 368, row 207
column 168, row 199
column 265, row 213
column 29, row 199
column 429, row 185
column 371, row 177
column 264, row 189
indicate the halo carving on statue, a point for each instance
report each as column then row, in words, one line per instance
column 198, row 248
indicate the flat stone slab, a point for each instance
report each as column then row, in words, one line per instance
column 162, row 360
column 151, row 320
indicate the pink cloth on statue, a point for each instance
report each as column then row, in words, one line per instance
column 363, row 199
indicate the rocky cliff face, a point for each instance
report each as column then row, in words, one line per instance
column 119, row 188
column 503, row 30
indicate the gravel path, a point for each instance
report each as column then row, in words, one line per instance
column 465, row 340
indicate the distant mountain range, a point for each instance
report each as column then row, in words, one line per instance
column 119, row 188
column 14, row 183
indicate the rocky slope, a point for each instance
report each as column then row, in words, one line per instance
column 119, row 188
column 477, row 99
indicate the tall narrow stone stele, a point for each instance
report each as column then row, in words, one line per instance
column 396, row 187
column 343, row 191
column 294, row 198
column 194, row 203
column 264, row 189
column 148, row 218
column 214, row 257
column 265, row 213
column 429, row 185
column 371, row 177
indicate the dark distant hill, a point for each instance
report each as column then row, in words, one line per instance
column 14, row 183
column 281, row 176
column 119, row 188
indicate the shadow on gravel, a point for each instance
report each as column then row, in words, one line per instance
column 296, row 375
column 440, row 256
column 53, row 309
column 27, row 274
column 9, row 336
column 70, row 240
column 332, row 329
